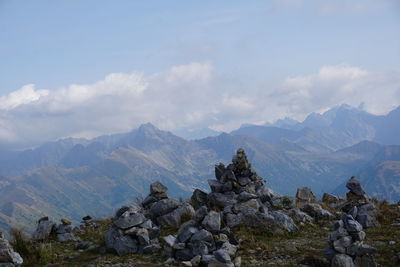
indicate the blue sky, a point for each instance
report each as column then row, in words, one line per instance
column 235, row 47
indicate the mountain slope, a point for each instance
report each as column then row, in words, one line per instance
column 335, row 129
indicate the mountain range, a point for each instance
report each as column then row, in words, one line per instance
column 74, row 177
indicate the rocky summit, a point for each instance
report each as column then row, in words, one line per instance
column 240, row 222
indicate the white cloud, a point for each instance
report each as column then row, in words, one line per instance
column 333, row 85
column 186, row 96
column 25, row 95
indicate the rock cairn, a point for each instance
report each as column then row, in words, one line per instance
column 364, row 211
column 346, row 245
column 8, row 257
column 132, row 232
column 165, row 211
column 242, row 197
column 202, row 241
column 46, row 229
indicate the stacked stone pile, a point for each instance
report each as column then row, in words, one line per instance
column 46, row 229
column 132, row 232
column 346, row 244
column 365, row 212
column 163, row 210
column 203, row 241
column 306, row 202
column 8, row 257
column 242, row 197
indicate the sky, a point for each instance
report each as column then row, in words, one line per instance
column 87, row 68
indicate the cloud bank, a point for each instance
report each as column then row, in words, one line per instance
column 191, row 96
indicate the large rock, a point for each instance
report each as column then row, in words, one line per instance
column 7, row 253
column 212, row 221
column 220, row 200
column 121, row 244
column 366, row 215
column 266, row 194
column 186, row 234
column 44, row 229
column 299, row 215
column 157, row 188
column 342, row 260
column 355, row 186
column 215, row 186
column 175, row 217
column 219, row 171
column 198, row 199
column 284, row 221
column 304, row 196
column 129, row 219
column 163, row 207
column 316, row 211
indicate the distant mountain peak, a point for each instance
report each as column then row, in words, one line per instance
column 148, row 126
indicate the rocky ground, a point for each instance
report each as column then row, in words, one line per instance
column 258, row 247
column 240, row 223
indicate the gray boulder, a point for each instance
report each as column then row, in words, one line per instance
column 174, row 218
column 266, row 194
column 284, row 221
column 202, row 235
column 219, row 171
column 200, row 214
column 316, row 211
column 342, row 260
column 244, row 196
column 157, row 188
column 44, row 229
column 187, row 233
column 212, row 221
column 340, row 245
column 304, row 196
column 169, row 240
column 66, row 237
column 299, row 215
column 351, row 225
column 121, row 244
column 198, row 199
column 221, row 200
column 222, row 255
column 366, row 215
column 7, row 253
column 355, row 186
column 215, row 186
column 184, row 254
column 163, row 207
column 129, row 219
column 249, row 204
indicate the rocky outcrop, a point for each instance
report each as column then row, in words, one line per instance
column 165, row 211
column 363, row 209
column 242, row 197
column 132, row 232
column 8, row 257
column 346, row 245
column 304, row 196
column 48, row 229
column 203, row 241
